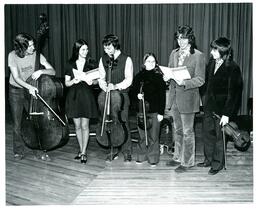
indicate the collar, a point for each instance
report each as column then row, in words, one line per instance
column 185, row 51
column 116, row 54
column 219, row 62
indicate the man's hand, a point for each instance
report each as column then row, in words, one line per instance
column 110, row 87
column 180, row 82
column 36, row 74
column 224, row 120
column 33, row 90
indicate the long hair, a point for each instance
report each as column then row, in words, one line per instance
column 76, row 47
column 187, row 33
column 223, row 45
column 111, row 39
column 157, row 68
column 20, row 44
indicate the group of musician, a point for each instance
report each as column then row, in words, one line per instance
column 219, row 81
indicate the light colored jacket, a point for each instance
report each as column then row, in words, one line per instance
column 187, row 97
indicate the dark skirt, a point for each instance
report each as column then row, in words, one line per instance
column 80, row 102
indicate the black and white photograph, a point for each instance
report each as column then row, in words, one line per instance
column 127, row 103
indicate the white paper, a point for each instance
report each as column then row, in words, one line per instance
column 93, row 74
column 178, row 73
column 78, row 74
column 89, row 75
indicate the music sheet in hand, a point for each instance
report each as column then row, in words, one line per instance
column 178, row 73
column 89, row 75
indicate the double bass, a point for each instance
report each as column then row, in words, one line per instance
column 111, row 131
column 43, row 127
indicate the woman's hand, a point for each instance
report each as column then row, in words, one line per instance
column 160, row 117
column 76, row 81
column 140, row 96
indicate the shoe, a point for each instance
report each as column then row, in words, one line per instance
column 204, row 164
column 213, row 171
column 153, row 164
column 45, row 157
column 181, row 169
column 83, row 158
column 138, row 162
column 172, row 163
column 114, row 157
column 18, row 156
column 78, row 157
column 161, row 149
column 127, row 158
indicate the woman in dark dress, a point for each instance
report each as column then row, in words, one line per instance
column 150, row 81
column 80, row 102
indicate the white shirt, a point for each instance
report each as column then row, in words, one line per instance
column 128, row 73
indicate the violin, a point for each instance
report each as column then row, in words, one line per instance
column 241, row 138
column 111, row 130
column 143, row 121
column 42, row 127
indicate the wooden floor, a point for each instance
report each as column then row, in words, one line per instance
column 66, row 181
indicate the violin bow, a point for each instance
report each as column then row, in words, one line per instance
column 144, row 114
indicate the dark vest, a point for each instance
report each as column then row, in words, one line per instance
column 117, row 73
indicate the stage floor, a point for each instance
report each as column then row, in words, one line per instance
column 66, row 181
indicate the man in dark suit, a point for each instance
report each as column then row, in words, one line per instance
column 222, row 95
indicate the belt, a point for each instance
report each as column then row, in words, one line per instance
column 14, row 87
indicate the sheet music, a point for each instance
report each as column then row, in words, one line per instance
column 78, row 74
column 90, row 75
column 178, row 73
column 93, row 74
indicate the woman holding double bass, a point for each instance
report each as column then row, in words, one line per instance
column 150, row 89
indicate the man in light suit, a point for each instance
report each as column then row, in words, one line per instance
column 184, row 98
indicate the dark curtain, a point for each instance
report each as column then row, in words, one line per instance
column 141, row 28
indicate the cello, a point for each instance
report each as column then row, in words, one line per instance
column 111, row 130
column 42, row 127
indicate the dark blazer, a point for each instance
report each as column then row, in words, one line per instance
column 223, row 89
column 187, row 97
